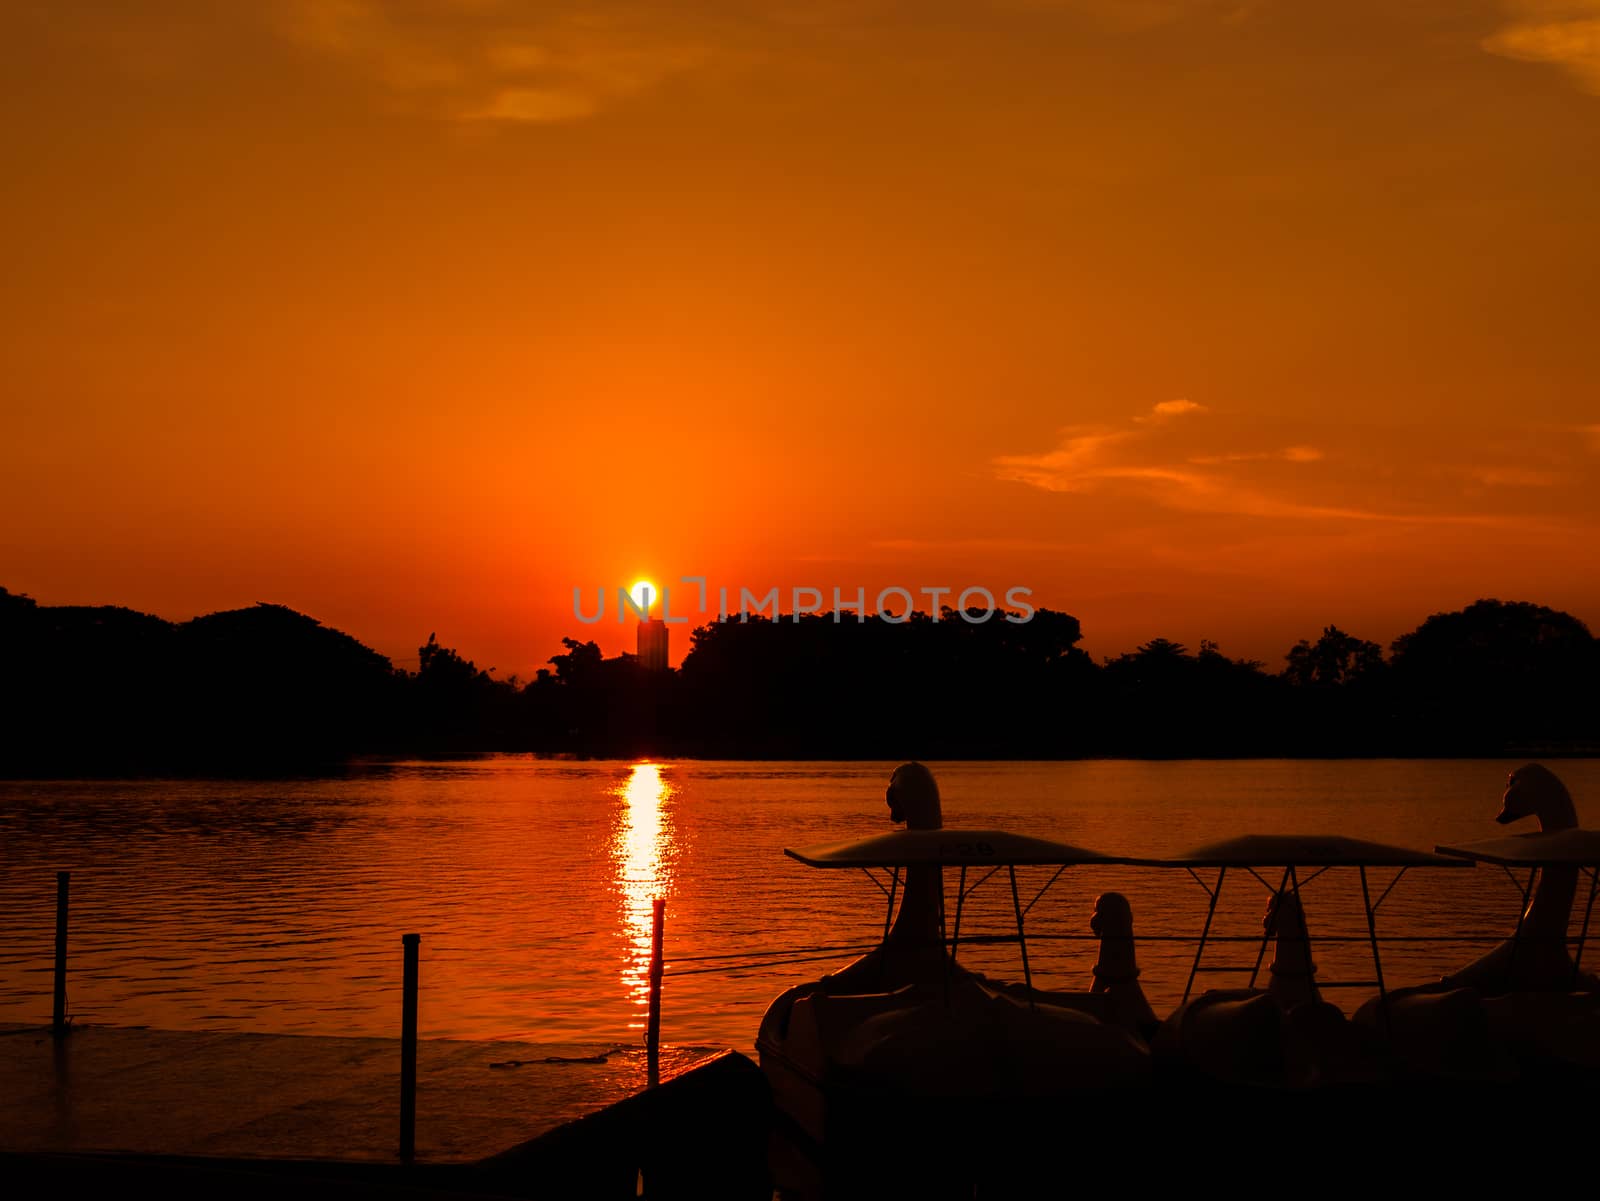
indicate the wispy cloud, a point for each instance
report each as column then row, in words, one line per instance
column 1136, row 16
column 1170, row 408
column 969, row 545
column 474, row 60
column 532, row 61
column 1563, row 32
column 1289, row 454
column 1180, row 455
column 1145, row 455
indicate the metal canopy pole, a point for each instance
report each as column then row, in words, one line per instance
column 961, row 899
column 1211, row 911
column 1583, row 934
column 1377, row 963
column 888, row 917
column 1516, row 937
column 961, row 896
column 1305, row 928
column 1022, row 941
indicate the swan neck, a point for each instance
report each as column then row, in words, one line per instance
column 918, row 919
column 1117, row 960
column 1551, row 906
column 1558, row 816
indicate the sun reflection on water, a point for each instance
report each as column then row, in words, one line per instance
column 642, row 853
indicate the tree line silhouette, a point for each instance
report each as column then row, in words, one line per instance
column 104, row 689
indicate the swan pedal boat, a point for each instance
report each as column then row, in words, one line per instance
column 1537, row 999
column 907, row 1026
column 906, row 1064
column 1286, row 1035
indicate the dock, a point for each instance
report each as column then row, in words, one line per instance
column 494, row 1117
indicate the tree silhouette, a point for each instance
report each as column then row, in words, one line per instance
column 91, row 689
column 1161, row 700
column 1334, row 660
column 1496, row 674
column 1339, row 701
column 452, row 704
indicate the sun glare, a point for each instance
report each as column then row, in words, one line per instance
column 641, row 851
column 644, row 594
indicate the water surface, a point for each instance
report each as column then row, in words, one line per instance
column 278, row 906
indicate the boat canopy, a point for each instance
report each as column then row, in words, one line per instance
column 1573, row 848
column 1303, row 850
column 957, row 847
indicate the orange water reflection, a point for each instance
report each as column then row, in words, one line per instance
column 642, row 851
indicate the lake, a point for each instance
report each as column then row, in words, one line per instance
column 278, row 906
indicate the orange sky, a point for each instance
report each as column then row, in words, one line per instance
column 1220, row 320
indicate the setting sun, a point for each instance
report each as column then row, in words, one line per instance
column 644, row 594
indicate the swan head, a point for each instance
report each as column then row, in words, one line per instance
column 913, row 797
column 1113, row 916
column 1534, row 791
column 1285, row 917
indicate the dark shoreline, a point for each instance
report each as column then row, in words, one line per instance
column 363, row 765
column 267, row 691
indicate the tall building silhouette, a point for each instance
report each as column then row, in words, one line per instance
column 653, row 644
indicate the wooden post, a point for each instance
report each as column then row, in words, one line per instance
column 652, row 1033
column 58, row 1020
column 408, row 1049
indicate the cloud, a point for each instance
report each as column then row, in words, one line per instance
column 1563, row 32
column 1171, row 408
column 1218, row 463
column 533, row 104
column 477, row 61
column 1146, row 457
column 1289, row 454
column 1076, row 465
column 1137, row 16
column 968, row 545
column 536, row 62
